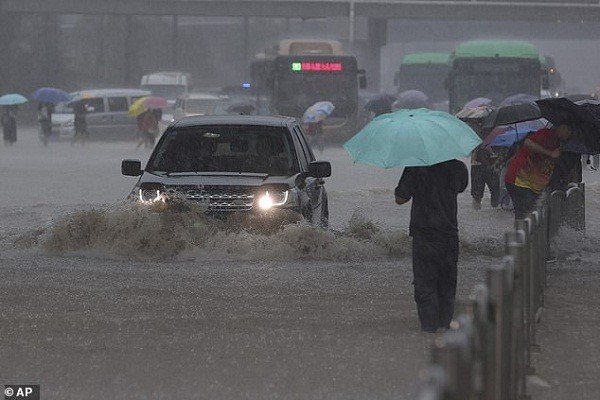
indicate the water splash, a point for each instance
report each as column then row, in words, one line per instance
column 158, row 232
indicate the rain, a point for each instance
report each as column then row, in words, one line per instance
column 105, row 294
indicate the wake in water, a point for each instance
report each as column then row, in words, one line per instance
column 157, row 232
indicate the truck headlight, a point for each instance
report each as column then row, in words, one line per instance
column 149, row 196
column 270, row 199
column 150, row 192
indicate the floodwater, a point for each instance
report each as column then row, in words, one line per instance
column 103, row 299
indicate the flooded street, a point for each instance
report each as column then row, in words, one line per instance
column 102, row 300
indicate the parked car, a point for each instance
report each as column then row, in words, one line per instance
column 106, row 118
column 234, row 163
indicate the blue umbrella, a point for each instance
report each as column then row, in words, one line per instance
column 510, row 137
column 521, row 129
column 51, row 95
column 318, row 112
column 12, row 99
column 412, row 138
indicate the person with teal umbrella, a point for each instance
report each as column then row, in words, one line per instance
column 9, row 103
column 427, row 144
column 9, row 124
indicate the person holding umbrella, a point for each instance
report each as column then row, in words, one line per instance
column 80, row 123
column 528, row 172
column 427, row 143
column 47, row 97
column 313, row 118
column 148, row 112
column 434, row 230
column 9, row 124
column 9, row 103
column 45, row 110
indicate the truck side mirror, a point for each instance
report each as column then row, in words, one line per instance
column 131, row 167
column 319, row 169
column 362, row 79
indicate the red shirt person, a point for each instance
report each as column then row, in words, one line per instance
column 528, row 172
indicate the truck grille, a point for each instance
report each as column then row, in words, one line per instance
column 217, row 198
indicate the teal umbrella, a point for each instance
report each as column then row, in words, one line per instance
column 12, row 99
column 412, row 138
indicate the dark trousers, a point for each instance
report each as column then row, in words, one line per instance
column 482, row 175
column 434, row 270
column 523, row 200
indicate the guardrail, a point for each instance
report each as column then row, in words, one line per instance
column 487, row 352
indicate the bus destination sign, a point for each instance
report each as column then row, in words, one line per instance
column 316, row 66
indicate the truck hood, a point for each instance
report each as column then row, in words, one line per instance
column 215, row 179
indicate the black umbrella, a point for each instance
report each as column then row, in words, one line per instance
column 584, row 119
column 380, row 104
column 512, row 114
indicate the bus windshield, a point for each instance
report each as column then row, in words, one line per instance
column 494, row 79
column 294, row 93
column 428, row 78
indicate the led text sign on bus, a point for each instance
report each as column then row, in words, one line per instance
column 316, row 67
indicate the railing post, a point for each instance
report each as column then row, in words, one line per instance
column 499, row 281
column 433, row 384
column 524, row 225
column 484, row 343
column 452, row 353
column 557, row 212
column 575, row 207
column 515, row 247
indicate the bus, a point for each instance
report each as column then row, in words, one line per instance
column 493, row 69
column 426, row 72
column 298, row 73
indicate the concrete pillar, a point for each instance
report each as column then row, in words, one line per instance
column 9, row 23
column 128, row 47
column 101, row 61
column 377, row 37
column 50, row 54
column 174, row 41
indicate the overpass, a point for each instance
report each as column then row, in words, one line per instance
column 584, row 16
column 526, row 10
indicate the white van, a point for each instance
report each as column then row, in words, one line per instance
column 169, row 85
column 106, row 119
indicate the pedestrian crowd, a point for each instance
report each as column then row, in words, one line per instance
column 515, row 176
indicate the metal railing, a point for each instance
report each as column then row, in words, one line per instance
column 487, row 352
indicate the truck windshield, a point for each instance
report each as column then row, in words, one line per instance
column 225, row 148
